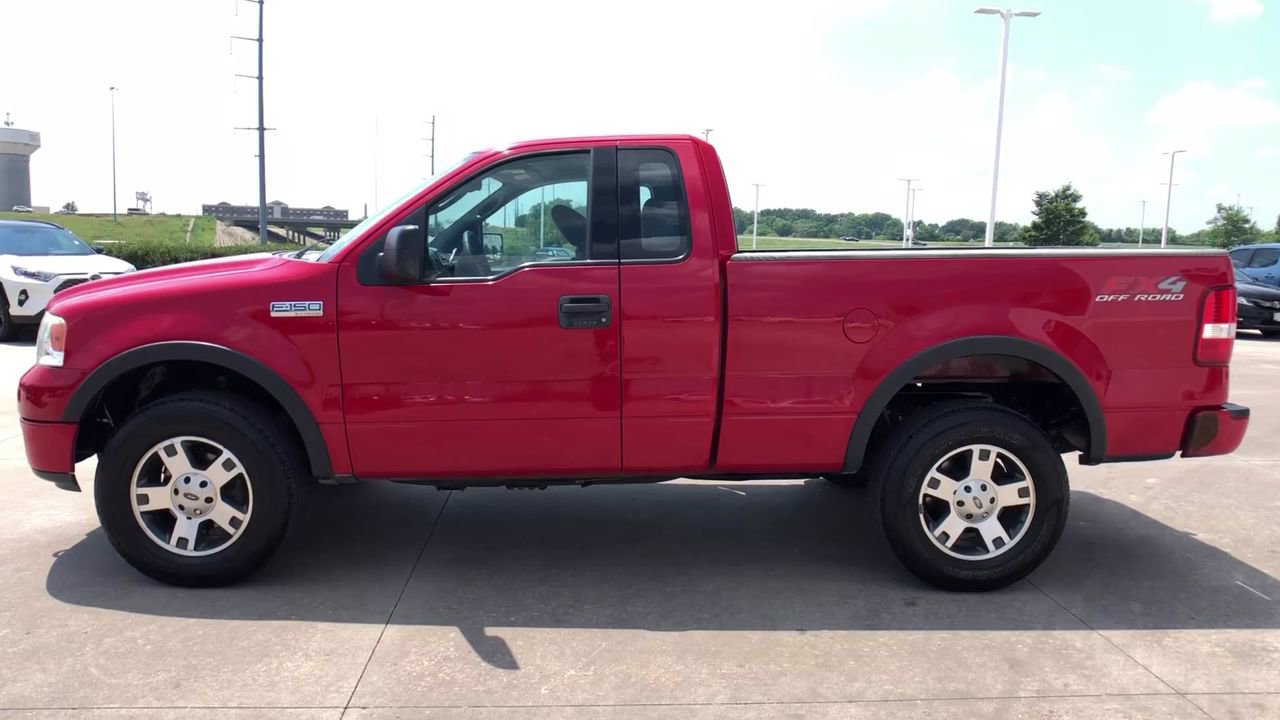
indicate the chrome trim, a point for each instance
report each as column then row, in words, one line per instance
column 509, row 271
column 898, row 254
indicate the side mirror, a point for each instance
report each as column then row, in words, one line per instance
column 403, row 257
column 98, row 249
column 493, row 245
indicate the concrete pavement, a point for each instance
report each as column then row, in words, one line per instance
column 682, row 600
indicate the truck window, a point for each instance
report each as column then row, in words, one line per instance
column 652, row 211
column 530, row 210
column 1264, row 257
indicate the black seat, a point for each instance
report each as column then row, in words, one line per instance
column 573, row 225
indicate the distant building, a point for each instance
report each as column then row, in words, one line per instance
column 275, row 210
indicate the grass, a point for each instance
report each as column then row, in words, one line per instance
column 129, row 228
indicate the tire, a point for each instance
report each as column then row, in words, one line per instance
column 918, row 507
column 8, row 329
column 255, row 483
column 1270, row 333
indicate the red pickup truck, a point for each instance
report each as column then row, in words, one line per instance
column 577, row 311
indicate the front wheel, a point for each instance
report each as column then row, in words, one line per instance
column 197, row 489
column 971, row 496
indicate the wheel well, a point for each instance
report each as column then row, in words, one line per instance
column 134, row 389
column 1025, row 386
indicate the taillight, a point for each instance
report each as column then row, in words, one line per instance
column 1217, row 327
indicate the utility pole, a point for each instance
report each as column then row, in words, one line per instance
column 1250, row 212
column 706, row 134
column 1142, row 226
column 261, row 128
column 755, row 220
column 906, row 214
column 1006, row 16
column 113, row 89
column 432, row 155
column 1168, row 198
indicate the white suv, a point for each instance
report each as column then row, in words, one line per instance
column 38, row 259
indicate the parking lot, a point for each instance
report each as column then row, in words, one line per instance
column 682, row 600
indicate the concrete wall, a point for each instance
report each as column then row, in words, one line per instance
column 15, row 181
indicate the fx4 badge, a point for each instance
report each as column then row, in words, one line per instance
column 297, row 308
column 1126, row 288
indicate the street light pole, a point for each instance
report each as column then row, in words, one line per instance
column 912, row 220
column 113, row 153
column 906, row 213
column 1168, row 198
column 1007, row 16
column 755, row 219
column 1142, row 226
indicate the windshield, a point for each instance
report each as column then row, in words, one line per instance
column 40, row 240
column 377, row 217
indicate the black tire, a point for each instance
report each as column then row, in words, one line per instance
column 1270, row 333
column 928, row 436
column 271, row 462
column 8, row 329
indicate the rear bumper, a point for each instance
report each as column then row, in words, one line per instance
column 1215, row 431
column 50, row 451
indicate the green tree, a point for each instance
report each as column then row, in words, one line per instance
column 1060, row 220
column 783, row 228
column 70, row 207
column 1231, row 226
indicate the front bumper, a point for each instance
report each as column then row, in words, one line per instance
column 1253, row 317
column 28, row 297
column 51, row 451
column 1215, row 431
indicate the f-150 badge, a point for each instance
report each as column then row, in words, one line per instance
column 297, row 308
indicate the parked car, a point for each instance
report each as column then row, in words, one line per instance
column 22, row 209
column 1261, row 262
column 954, row 380
column 39, row 259
column 1257, row 306
column 849, row 238
column 553, row 253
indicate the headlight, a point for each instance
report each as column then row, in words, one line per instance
column 33, row 274
column 1242, row 301
column 51, row 340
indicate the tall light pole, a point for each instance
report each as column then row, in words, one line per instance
column 706, row 134
column 912, row 219
column 1142, row 226
column 1168, row 198
column 113, row 89
column 755, row 218
column 1006, row 16
column 906, row 213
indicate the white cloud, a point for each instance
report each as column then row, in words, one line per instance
column 1269, row 151
column 1196, row 115
column 1232, row 10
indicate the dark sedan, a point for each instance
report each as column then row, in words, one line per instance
column 1258, row 306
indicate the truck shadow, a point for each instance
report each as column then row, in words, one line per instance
column 676, row 557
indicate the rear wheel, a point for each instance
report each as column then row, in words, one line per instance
column 197, row 489
column 971, row 496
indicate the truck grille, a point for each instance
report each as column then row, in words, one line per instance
column 69, row 284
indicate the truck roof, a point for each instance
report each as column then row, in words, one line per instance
column 540, row 142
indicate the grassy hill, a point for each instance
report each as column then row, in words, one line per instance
column 130, row 228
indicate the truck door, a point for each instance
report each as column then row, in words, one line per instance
column 507, row 364
column 670, row 310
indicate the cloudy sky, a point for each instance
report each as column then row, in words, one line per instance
column 827, row 103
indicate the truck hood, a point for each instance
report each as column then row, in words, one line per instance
column 68, row 264
column 170, row 274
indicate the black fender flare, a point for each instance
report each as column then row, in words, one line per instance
column 312, row 440
column 980, row 345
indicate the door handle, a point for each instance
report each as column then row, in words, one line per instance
column 585, row 312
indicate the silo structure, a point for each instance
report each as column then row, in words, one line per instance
column 16, row 146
